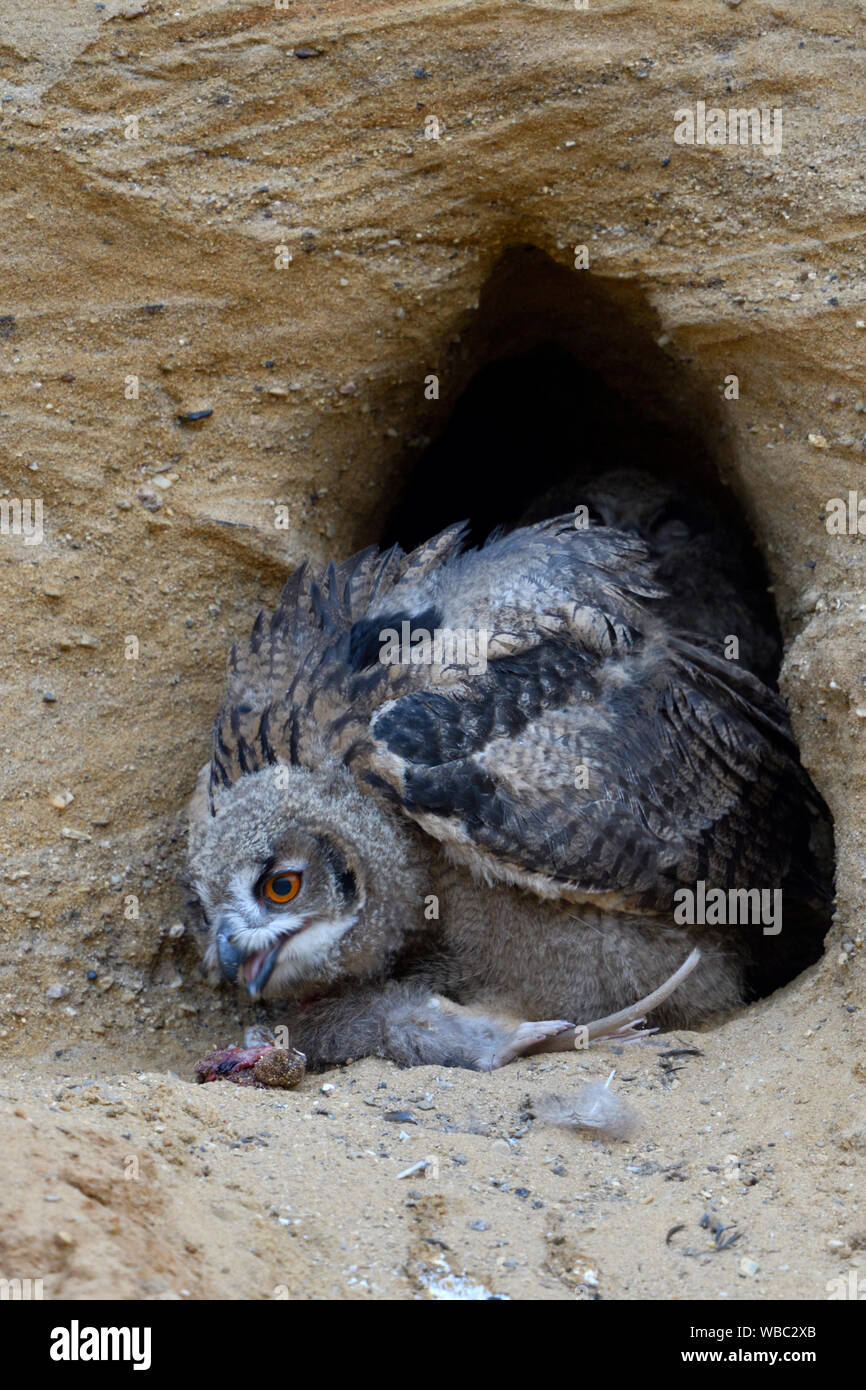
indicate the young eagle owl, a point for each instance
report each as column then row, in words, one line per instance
column 455, row 795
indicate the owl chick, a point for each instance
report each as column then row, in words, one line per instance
column 454, row 794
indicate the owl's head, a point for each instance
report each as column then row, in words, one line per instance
column 664, row 516
column 302, row 880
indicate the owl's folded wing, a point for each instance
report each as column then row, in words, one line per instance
column 615, row 776
column 305, row 685
column 535, row 716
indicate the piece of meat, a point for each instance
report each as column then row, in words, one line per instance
column 261, row 1065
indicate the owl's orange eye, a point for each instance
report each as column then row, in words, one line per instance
column 282, row 887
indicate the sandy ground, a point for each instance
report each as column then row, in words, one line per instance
column 744, row 1181
column 153, row 258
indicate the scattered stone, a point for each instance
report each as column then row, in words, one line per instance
column 60, row 800
column 194, row 417
column 418, row 1167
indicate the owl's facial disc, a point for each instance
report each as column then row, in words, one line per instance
column 281, row 925
column 275, row 889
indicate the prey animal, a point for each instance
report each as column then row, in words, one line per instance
column 439, row 850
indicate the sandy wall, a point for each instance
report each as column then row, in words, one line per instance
column 153, row 158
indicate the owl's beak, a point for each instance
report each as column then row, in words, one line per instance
column 258, row 968
column 255, row 967
column 227, row 952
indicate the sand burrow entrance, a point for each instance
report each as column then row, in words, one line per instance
column 560, row 374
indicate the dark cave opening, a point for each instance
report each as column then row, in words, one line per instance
column 554, row 372
column 557, row 379
column 526, row 424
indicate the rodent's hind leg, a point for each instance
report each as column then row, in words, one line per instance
column 623, row 1026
